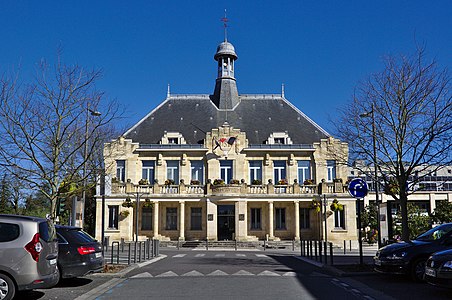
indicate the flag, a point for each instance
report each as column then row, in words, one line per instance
column 222, row 140
column 217, row 145
column 231, row 140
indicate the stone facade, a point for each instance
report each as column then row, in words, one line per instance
column 225, row 167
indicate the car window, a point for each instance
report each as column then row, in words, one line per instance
column 61, row 239
column 81, row 236
column 47, row 231
column 435, row 233
column 8, row 232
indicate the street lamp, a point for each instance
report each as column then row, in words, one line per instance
column 374, row 146
column 130, row 190
column 93, row 113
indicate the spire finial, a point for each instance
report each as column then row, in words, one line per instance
column 225, row 21
column 282, row 90
column 168, row 93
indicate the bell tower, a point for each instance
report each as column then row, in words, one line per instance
column 225, row 95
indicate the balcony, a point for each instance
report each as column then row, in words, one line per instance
column 228, row 189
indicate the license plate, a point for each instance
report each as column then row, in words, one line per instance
column 98, row 255
column 430, row 272
column 378, row 262
column 52, row 261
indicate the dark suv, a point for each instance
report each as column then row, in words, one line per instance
column 410, row 257
column 28, row 254
column 79, row 254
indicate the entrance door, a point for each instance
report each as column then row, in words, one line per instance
column 226, row 222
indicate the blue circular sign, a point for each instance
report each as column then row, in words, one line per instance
column 358, row 188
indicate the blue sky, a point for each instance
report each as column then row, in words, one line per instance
column 318, row 49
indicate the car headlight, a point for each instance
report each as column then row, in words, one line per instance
column 397, row 255
column 448, row 264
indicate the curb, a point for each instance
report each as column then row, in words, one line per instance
column 335, row 271
column 130, row 268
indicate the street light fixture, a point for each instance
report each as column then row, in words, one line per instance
column 374, row 146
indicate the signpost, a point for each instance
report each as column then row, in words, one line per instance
column 358, row 189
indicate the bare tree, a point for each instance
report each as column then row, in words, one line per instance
column 409, row 111
column 50, row 127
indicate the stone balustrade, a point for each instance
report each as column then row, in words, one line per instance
column 229, row 189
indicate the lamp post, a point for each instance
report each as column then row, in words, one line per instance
column 85, row 158
column 131, row 191
column 374, row 148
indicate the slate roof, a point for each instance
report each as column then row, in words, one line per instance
column 257, row 115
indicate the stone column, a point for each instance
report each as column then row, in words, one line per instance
column 432, row 201
column 182, row 221
column 241, row 223
column 211, row 220
column 156, row 219
column 297, row 220
column 270, row 220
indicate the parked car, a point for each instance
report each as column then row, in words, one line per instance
column 28, row 254
column 79, row 253
column 438, row 269
column 410, row 257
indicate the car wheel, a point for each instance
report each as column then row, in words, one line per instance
column 7, row 287
column 418, row 269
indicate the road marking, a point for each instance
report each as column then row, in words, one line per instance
column 193, row 273
column 220, row 255
column 199, row 255
column 241, row 255
column 243, row 273
column 290, row 274
column 142, row 275
column 217, row 273
column 267, row 273
column 167, row 274
column 179, row 255
column 261, row 255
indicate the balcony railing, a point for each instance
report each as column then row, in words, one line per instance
column 235, row 189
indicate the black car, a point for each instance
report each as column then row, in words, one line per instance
column 438, row 269
column 410, row 257
column 79, row 254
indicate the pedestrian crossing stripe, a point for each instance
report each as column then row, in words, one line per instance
column 199, row 255
column 214, row 273
column 179, row 255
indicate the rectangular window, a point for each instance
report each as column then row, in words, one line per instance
column 146, row 218
column 280, row 218
column 226, row 170
column 255, row 171
column 304, row 170
column 113, row 215
column 171, row 218
column 121, row 170
column 197, row 170
column 279, row 167
column 172, row 170
column 339, row 219
column 304, row 218
column 196, row 218
column 331, row 170
column 279, row 140
column 173, row 140
column 256, row 219
column 148, row 170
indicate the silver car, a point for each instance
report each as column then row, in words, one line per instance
column 28, row 254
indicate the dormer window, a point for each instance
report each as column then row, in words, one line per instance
column 279, row 138
column 173, row 138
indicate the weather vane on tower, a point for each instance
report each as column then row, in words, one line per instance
column 225, row 21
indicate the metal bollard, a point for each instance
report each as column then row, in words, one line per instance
column 331, row 253
column 344, row 246
column 265, row 245
column 350, row 242
column 129, row 255
column 320, row 251
column 293, row 245
column 139, row 252
column 315, row 249
column 207, row 244
column 112, row 250
column 235, row 245
column 122, row 244
column 157, row 248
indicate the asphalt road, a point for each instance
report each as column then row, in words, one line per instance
column 214, row 274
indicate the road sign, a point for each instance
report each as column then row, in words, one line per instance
column 358, row 188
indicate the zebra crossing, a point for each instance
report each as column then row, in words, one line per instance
column 195, row 273
column 198, row 255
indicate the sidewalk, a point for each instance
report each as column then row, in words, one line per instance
column 348, row 264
